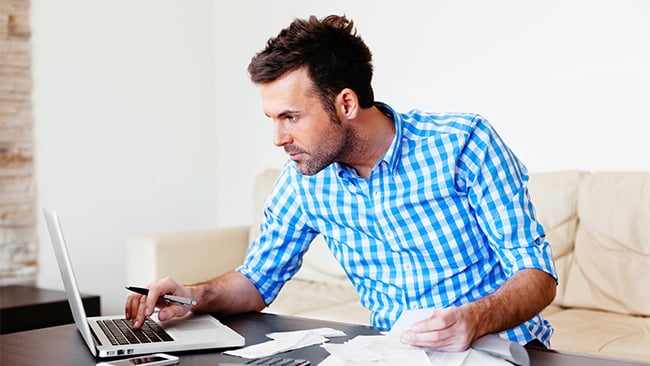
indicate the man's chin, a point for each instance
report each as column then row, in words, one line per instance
column 307, row 170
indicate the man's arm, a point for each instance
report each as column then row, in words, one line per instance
column 231, row 292
column 520, row 298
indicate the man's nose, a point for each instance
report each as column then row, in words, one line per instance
column 280, row 135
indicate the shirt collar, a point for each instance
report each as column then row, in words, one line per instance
column 392, row 155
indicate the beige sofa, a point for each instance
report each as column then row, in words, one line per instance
column 597, row 223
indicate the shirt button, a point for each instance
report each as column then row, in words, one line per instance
column 376, row 194
column 408, row 266
column 389, row 235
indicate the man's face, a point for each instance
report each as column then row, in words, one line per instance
column 300, row 124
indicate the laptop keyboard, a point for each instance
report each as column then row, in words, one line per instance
column 119, row 332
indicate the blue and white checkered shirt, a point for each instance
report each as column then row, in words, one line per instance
column 444, row 219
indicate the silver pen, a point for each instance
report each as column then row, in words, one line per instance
column 185, row 301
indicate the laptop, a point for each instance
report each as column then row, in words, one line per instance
column 103, row 334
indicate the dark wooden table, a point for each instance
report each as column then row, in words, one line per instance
column 28, row 307
column 63, row 345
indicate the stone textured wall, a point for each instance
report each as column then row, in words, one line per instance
column 18, row 239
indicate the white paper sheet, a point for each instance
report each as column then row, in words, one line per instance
column 407, row 319
column 325, row 332
column 489, row 347
column 496, row 346
column 448, row 358
column 374, row 351
column 286, row 341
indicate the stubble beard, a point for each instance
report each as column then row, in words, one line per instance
column 329, row 149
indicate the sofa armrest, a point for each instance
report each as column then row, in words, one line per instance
column 187, row 257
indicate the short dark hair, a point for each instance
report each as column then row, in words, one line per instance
column 334, row 55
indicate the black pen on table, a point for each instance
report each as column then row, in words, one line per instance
column 185, row 301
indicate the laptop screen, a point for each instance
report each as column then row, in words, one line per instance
column 67, row 274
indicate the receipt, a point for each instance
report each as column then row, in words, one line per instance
column 487, row 350
column 374, row 351
column 407, row 319
column 325, row 332
column 286, row 341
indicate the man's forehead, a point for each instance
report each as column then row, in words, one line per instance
column 290, row 93
column 278, row 105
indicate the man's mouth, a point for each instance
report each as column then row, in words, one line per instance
column 295, row 156
column 293, row 152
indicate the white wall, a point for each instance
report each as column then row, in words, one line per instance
column 566, row 83
column 146, row 120
column 125, row 129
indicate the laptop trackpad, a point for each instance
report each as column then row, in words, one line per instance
column 191, row 323
column 194, row 328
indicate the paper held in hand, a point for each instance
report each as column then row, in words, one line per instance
column 491, row 344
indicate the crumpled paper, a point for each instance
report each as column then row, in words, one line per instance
column 286, row 341
column 389, row 351
column 375, row 351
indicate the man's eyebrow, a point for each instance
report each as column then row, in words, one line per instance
column 284, row 113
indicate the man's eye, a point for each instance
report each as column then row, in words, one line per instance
column 291, row 118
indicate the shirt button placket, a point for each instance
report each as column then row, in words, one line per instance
column 390, row 239
column 409, row 281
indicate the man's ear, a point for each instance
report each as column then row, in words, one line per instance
column 347, row 104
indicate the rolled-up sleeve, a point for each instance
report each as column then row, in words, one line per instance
column 495, row 181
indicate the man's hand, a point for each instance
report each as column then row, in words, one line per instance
column 454, row 329
column 451, row 330
column 138, row 307
column 230, row 293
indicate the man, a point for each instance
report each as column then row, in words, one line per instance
column 422, row 210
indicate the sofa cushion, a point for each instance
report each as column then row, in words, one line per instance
column 601, row 333
column 320, row 300
column 612, row 249
column 555, row 196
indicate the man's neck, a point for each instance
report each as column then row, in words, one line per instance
column 372, row 133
